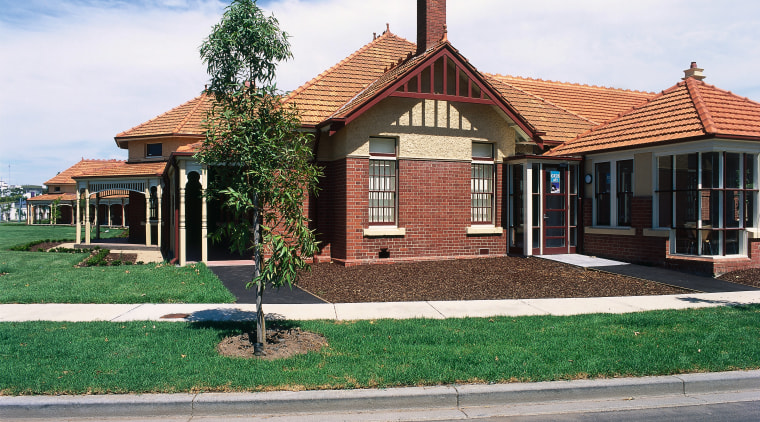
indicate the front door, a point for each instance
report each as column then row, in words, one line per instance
column 557, row 210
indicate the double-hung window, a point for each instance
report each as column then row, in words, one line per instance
column 382, row 181
column 482, row 183
column 613, row 193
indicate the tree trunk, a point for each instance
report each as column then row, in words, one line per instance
column 258, row 347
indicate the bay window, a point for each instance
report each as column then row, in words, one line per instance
column 708, row 199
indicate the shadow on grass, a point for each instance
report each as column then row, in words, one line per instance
column 232, row 328
column 732, row 303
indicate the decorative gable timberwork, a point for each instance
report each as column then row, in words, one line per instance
column 439, row 74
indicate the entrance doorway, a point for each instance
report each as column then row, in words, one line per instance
column 543, row 205
column 559, row 219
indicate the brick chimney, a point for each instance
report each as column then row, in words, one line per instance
column 693, row 72
column 431, row 23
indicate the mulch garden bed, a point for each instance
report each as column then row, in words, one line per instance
column 470, row 279
column 45, row 246
column 749, row 277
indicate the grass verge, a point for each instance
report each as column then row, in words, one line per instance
column 143, row 357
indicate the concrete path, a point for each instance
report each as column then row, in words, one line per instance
column 368, row 311
column 684, row 280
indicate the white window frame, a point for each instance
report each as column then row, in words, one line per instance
column 613, row 161
column 492, row 163
column 699, row 148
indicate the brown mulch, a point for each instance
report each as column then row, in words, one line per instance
column 123, row 257
column 281, row 343
column 750, row 277
column 470, row 279
column 44, row 246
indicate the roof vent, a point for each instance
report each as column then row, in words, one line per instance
column 693, row 72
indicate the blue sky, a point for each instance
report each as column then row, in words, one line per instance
column 77, row 72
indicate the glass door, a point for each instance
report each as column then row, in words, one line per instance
column 555, row 210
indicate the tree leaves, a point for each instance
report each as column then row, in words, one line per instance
column 262, row 163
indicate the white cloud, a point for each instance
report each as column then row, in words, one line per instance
column 77, row 72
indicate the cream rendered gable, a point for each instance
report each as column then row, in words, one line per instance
column 425, row 129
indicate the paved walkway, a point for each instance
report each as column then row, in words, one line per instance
column 235, row 277
column 368, row 311
column 684, row 280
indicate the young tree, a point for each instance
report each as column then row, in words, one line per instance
column 262, row 162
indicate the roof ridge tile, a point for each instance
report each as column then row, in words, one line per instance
column 527, row 78
column 184, row 121
column 703, row 111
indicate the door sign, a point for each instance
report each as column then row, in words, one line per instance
column 555, row 181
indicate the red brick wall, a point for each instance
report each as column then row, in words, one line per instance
column 655, row 250
column 431, row 18
column 635, row 249
column 434, row 208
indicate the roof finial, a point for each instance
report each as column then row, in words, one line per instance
column 374, row 36
column 387, row 27
column 445, row 34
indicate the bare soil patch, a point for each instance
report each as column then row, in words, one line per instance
column 45, row 246
column 281, row 343
column 122, row 257
column 508, row 277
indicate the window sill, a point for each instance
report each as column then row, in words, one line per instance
column 657, row 232
column 381, row 231
column 614, row 231
column 705, row 258
column 483, row 230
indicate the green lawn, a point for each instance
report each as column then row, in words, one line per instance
column 12, row 234
column 99, row 358
column 46, row 277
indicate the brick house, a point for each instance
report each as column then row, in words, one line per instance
column 427, row 157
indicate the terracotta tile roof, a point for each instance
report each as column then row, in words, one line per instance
column 324, row 95
column 688, row 110
column 186, row 119
column 124, row 169
column 190, row 148
column 392, row 73
column 594, row 103
column 66, row 177
column 50, row 197
column 563, row 110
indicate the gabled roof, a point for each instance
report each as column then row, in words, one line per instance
column 331, row 90
column 689, row 110
column 67, row 176
column 185, row 120
column 447, row 76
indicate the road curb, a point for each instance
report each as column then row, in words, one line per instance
column 343, row 401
